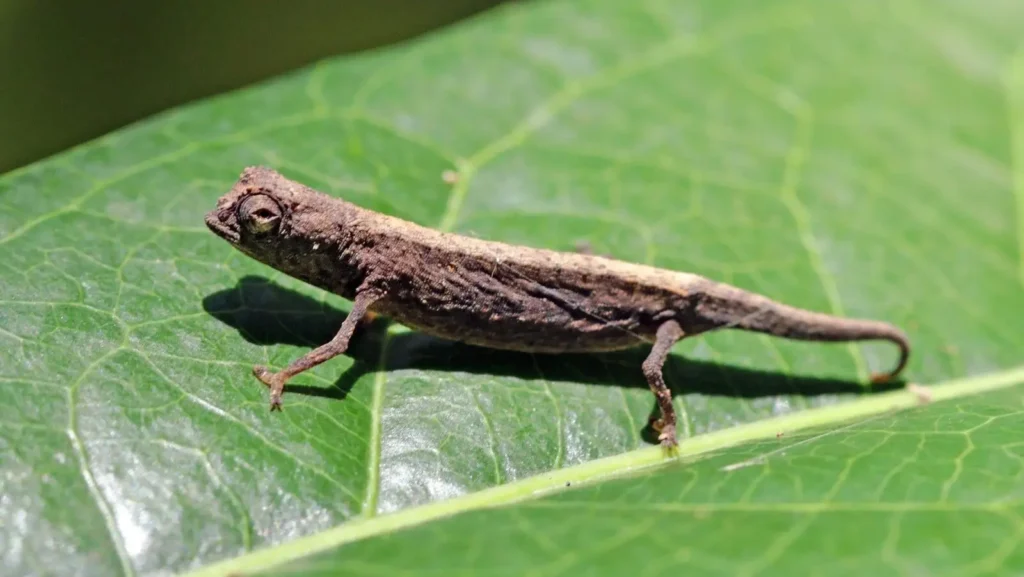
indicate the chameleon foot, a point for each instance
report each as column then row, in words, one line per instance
column 668, row 437
column 274, row 382
column 666, row 433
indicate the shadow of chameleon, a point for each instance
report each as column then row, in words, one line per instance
column 266, row 313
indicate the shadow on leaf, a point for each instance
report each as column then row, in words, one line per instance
column 266, row 313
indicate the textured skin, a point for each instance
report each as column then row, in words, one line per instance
column 493, row 294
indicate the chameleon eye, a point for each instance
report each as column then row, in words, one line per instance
column 260, row 214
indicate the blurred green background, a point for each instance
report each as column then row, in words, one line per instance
column 72, row 71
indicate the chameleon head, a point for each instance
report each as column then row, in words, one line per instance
column 284, row 224
column 249, row 214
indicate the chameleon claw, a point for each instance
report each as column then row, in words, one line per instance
column 262, row 373
column 273, row 382
column 669, row 445
column 668, row 437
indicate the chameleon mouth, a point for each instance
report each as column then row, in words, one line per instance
column 220, row 228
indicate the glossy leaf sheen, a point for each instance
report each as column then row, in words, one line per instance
column 935, row 491
column 855, row 158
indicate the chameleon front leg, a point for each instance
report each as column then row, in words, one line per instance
column 669, row 333
column 323, row 353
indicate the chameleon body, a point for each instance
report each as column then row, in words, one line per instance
column 493, row 294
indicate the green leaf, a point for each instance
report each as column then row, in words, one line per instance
column 854, row 158
column 933, row 490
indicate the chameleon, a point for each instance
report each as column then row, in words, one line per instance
column 497, row 295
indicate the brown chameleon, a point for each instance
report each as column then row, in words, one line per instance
column 493, row 294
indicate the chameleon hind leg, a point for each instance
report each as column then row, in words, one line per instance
column 669, row 333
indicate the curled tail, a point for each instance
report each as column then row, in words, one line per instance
column 729, row 307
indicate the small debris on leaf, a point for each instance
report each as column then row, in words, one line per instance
column 923, row 394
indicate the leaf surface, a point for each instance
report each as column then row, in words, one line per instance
column 932, row 490
column 852, row 159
